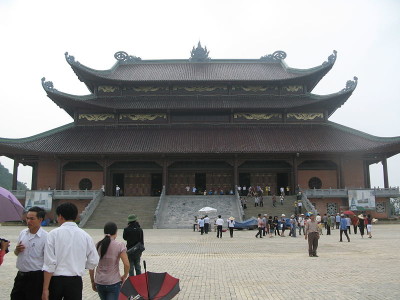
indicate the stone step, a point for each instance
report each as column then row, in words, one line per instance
column 117, row 209
column 287, row 208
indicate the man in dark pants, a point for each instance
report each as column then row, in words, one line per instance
column 343, row 228
column 28, row 283
column 133, row 234
column 206, row 224
column 68, row 252
column 219, row 222
column 260, row 225
column 312, row 235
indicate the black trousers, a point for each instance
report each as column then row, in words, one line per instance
column 27, row 285
column 355, row 229
column 337, row 225
column 231, row 231
column 206, row 226
column 65, row 288
column 345, row 233
column 219, row 231
column 259, row 232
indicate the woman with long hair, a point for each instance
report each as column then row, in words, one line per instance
column 107, row 280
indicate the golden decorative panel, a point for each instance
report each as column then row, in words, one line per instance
column 305, row 116
column 96, row 117
column 250, row 116
column 293, row 88
column 143, row 117
column 256, row 88
column 199, row 88
column 107, row 88
column 146, row 89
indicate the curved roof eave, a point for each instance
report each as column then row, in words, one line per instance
column 86, row 74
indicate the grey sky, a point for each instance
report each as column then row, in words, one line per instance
column 35, row 35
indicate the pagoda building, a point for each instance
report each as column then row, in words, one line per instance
column 212, row 124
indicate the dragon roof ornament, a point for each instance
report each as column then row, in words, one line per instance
column 350, row 85
column 274, row 57
column 71, row 59
column 331, row 59
column 125, row 57
column 199, row 54
column 48, row 85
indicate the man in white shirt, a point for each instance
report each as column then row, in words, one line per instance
column 30, row 253
column 68, row 252
column 206, row 224
column 219, row 222
column 117, row 190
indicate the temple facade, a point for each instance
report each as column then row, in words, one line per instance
column 208, row 124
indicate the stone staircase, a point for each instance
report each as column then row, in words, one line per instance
column 117, row 209
column 287, row 208
column 179, row 211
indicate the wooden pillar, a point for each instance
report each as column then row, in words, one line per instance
column 15, row 175
column 59, row 175
column 340, row 174
column 295, row 171
column 235, row 174
column 385, row 173
column 34, row 176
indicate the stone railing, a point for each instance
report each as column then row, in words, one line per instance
column 158, row 209
column 239, row 204
column 307, row 205
column 343, row 193
column 90, row 208
column 61, row 194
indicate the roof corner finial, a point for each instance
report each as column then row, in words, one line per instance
column 199, row 54
column 350, row 85
column 48, row 85
column 331, row 59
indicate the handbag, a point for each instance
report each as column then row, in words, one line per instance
column 138, row 248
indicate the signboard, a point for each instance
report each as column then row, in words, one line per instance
column 361, row 200
column 42, row 199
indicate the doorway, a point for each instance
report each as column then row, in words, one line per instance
column 200, row 182
column 156, row 184
column 244, row 181
column 281, row 181
column 118, row 179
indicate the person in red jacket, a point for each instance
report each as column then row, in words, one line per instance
column 3, row 249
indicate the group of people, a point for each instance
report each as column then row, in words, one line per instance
column 51, row 264
column 202, row 224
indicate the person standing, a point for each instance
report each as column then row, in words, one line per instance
column 259, row 226
column 354, row 222
column 337, row 221
column 328, row 225
column 343, row 228
column 264, row 230
column 133, row 234
column 348, row 224
column 361, row 224
column 369, row 226
column 4, row 244
column 219, row 222
column 273, row 200
column 28, row 283
column 107, row 280
column 231, row 225
column 103, row 189
column 270, row 226
column 69, row 250
column 276, row 225
column 301, row 221
column 201, row 225
column 117, row 190
column 312, row 235
column 206, row 224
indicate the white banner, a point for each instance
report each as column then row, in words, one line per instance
column 42, row 199
column 361, row 200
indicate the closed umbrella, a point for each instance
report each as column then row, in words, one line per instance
column 10, row 208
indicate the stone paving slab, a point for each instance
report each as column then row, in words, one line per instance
column 244, row 267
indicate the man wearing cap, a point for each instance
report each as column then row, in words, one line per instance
column 312, row 235
column 133, row 234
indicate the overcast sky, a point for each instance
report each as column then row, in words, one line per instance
column 34, row 36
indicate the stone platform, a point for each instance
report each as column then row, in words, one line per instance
column 244, row 267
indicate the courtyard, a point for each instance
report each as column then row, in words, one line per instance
column 244, row 267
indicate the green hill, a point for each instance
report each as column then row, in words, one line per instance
column 6, row 180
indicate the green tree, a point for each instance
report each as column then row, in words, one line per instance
column 6, row 180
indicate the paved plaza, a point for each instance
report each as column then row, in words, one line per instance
column 244, row 267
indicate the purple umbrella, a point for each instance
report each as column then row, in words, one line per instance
column 10, row 208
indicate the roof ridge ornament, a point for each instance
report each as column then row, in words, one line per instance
column 199, row 54
column 125, row 57
column 331, row 59
column 350, row 85
column 274, row 57
column 48, row 85
column 71, row 59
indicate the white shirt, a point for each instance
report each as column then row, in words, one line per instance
column 219, row 221
column 31, row 259
column 69, row 251
column 231, row 223
column 206, row 220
